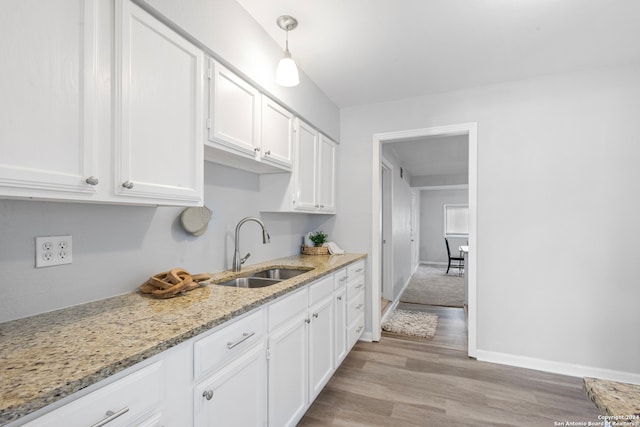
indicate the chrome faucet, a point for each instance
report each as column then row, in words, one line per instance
column 237, row 261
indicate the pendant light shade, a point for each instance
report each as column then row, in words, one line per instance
column 287, row 71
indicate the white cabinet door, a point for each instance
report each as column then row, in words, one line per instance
column 326, row 175
column 321, row 353
column 159, row 121
column 340, row 340
column 277, row 134
column 288, row 372
column 235, row 108
column 48, row 94
column 306, row 173
column 235, row 395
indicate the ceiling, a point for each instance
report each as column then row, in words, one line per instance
column 438, row 155
column 366, row 51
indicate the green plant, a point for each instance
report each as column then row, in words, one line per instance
column 318, row 238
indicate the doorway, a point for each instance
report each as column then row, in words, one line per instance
column 377, row 254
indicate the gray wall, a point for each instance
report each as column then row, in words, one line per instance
column 116, row 248
column 558, row 176
column 432, row 246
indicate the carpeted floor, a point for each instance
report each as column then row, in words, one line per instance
column 430, row 285
column 414, row 323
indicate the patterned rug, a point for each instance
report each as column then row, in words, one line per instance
column 431, row 285
column 413, row 323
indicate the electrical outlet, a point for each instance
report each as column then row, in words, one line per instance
column 53, row 250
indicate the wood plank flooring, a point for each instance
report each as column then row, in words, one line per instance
column 404, row 381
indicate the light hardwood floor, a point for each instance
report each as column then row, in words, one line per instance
column 404, row 381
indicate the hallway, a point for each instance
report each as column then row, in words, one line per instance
column 404, row 381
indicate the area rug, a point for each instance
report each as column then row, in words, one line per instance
column 431, row 285
column 415, row 323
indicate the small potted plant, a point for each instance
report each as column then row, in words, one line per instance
column 318, row 238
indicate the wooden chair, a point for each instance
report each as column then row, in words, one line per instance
column 458, row 261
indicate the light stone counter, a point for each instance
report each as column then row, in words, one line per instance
column 615, row 399
column 49, row 356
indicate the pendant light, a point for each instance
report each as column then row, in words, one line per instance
column 287, row 72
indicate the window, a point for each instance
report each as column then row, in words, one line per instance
column 456, row 221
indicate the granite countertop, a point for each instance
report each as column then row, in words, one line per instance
column 49, row 356
column 620, row 401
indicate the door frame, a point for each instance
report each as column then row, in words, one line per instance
column 386, row 225
column 469, row 129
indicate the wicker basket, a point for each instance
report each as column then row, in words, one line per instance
column 315, row 250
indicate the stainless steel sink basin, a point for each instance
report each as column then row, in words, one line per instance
column 280, row 273
column 250, row 282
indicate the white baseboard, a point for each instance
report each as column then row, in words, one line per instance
column 562, row 368
column 433, row 262
column 366, row 336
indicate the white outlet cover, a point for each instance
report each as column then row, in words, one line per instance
column 53, row 250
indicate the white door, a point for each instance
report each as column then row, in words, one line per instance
column 236, row 395
column 235, row 107
column 387, row 253
column 306, row 149
column 160, row 129
column 340, row 333
column 327, row 173
column 321, row 353
column 288, row 372
column 277, row 134
column 48, row 89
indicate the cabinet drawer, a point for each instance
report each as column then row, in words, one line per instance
column 355, row 287
column 320, row 289
column 355, row 270
column 132, row 396
column 220, row 347
column 355, row 331
column 340, row 278
column 286, row 308
column 356, row 307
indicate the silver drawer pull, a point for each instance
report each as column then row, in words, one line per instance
column 360, row 286
column 359, row 329
column 92, row 180
column 110, row 417
column 207, row 394
column 359, row 270
column 359, row 306
column 245, row 336
column 127, row 184
column 315, row 315
column 339, row 298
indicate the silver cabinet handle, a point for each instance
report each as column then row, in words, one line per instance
column 245, row 336
column 339, row 298
column 342, row 279
column 315, row 315
column 317, row 206
column 111, row 416
column 359, row 306
column 359, row 270
column 207, row 394
column 127, row 184
column 360, row 286
column 92, row 180
column 322, row 206
column 267, row 153
column 359, row 329
column 307, row 320
column 257, row 149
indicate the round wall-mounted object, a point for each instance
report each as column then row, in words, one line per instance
column 195, row 220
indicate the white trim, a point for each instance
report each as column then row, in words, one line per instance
column 470, row 129
column 385, row 163
column 556, row 367
column 433, row 262
column 443, row 187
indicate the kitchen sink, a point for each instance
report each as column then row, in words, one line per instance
column 250, row 282
column 280, row 273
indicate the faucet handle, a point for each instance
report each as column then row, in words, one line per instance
column 242, row 260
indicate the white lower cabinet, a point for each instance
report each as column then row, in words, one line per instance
column 236, row 395
column 264, row 368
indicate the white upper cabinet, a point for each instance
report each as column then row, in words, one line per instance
column 48, row 88
column 82, row 121
column 311, row 186
column 159, row 111
column 276, row 134
column 326, row 200
column 247, row 129
column 234, row 111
